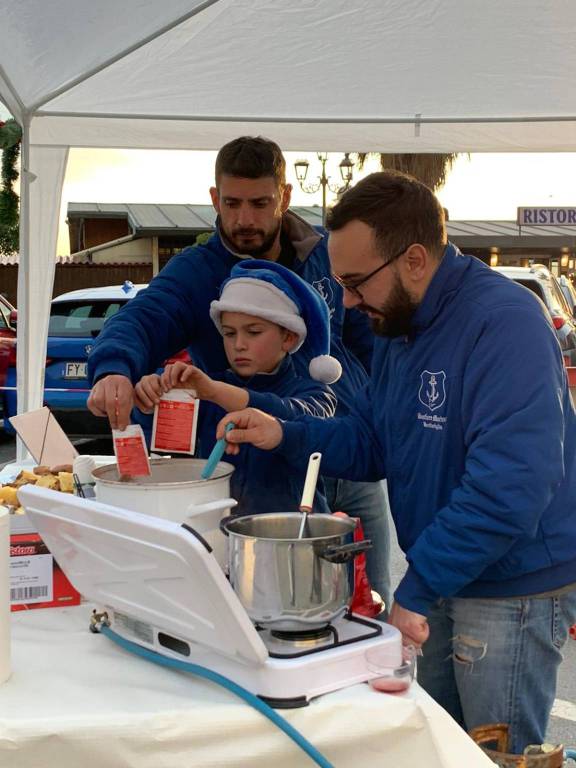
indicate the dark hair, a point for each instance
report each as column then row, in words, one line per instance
column 251, row 157
column 399, row 208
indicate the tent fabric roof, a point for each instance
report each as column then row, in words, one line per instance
column 342, row 75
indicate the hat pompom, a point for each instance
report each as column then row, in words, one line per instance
column 325, row 368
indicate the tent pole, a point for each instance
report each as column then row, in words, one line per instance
column 22, row 338
column 40, row 206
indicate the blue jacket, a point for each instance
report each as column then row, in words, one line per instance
column 470, row 420
column 264, row 481
column 172, row 313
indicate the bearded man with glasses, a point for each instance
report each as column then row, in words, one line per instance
column 468, row 416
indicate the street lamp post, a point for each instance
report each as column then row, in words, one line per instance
column 346, row 170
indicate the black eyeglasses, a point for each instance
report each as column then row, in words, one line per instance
column 353, row 287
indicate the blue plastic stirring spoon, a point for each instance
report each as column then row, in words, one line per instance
column 216, row 454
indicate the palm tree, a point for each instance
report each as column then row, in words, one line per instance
column 431, row 169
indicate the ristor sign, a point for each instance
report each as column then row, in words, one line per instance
column 546, row 216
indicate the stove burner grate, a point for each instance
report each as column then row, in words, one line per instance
column 303, row 634
column 307, row 642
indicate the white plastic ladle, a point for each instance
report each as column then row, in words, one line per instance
column 307, row 501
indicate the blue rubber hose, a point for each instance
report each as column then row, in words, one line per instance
column 216, row 454
column 225, row 682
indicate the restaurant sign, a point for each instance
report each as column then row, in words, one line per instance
column 546, row 216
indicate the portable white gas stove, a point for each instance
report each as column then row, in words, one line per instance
column 162, row 589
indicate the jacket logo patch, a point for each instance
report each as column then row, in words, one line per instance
column 324, row 288
column 432, row 392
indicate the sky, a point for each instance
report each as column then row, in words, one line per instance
column 480, row 186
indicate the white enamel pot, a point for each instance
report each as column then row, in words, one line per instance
column 174, row 491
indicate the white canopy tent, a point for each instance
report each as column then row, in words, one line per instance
column 334, row 75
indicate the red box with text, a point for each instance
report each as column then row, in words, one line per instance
column 36, row 579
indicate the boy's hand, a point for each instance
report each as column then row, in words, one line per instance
column 252, row 426
column 147, row 393
column 185, row 376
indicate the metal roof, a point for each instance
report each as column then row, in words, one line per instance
column 507, row 234
column 174, row 218
column 13, row 259
column 167, row 218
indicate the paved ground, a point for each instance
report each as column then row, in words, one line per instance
column 562, row 728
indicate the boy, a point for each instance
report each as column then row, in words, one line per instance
column 265, row 313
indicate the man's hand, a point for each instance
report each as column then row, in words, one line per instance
column 252, row 426
column 112, row 396
column 413, row 626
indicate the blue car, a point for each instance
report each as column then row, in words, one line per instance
column 76, row 319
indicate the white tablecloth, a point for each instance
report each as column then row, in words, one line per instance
column 76, row 700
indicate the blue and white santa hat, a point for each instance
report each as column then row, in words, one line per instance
column 268, row 290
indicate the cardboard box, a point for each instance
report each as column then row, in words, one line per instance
column 36, row 580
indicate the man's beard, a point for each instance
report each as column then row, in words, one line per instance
column 268, row 240
column 396, row 314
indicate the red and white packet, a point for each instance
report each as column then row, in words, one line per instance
column 175, row 422
column 131, row 452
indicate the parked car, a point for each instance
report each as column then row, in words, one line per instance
column 76, row 319
column 569, row 291
column 539, row 279
column 7, row 341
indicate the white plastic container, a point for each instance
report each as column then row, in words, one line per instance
column 175, row 491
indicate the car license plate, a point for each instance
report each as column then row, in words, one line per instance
column 75, row 371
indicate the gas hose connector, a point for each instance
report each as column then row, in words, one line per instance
column 98, row 620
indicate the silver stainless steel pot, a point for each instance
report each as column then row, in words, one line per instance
column 286, row 583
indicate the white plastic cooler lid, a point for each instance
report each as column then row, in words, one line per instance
column 151, row 569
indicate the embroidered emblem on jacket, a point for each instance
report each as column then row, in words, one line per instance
column 432, row 392
column 324, row 288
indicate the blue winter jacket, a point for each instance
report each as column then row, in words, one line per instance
column 264, row 481
column 470, row 420
column 172, row 313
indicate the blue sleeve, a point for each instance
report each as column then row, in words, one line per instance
column 349, row 444
column 160, row 321
column 313, row 400
column 514, row 391
column 358, row 336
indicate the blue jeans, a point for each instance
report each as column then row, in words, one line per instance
column 368, row 502
column 495, row 661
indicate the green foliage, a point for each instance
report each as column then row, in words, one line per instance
column 9, row 202
column 202, row 238
column 10, row 134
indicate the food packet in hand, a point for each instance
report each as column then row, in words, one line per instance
column 175, row 421
column 131, row 453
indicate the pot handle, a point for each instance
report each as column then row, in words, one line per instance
column 345, row 552
column 210, row 506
